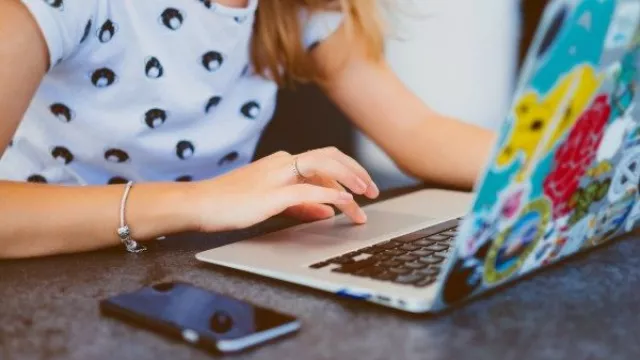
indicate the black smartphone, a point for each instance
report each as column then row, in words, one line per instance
column 202, row 318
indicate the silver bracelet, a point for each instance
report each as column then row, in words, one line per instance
column 123, row 231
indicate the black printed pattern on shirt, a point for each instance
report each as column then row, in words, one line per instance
column 107, row 31
column 57, row 4
column 62, row 154
column 61, row 111
column 185, row 149
column 116, row 156
column 103, row 78
column 212, row 61
column 251, row 110
column 229, row 158
column 154, row 118
column 152, row 68
column 172, row 18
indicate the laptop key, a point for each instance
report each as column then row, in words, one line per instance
column 406, row 257
column 425, row 282
column 432, row 259
column 415, row 265
column 430, row 271
column 400, row 270
column 438, row 237
column 341, row 260
column 409, row 279
column 355, row 266
column 385, row 276
column 408, row 238
column 360, row 273
column 409, row 247
column 386, row 245
column 391, row 263
column 394, row 252
column 450, row 233
column 423, row 242
column 437, row 247
column 380, row 257
column 371, row 271
column 371, row 250
column 421, row 252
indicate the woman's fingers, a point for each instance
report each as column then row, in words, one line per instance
column 310, row 212
column 294, row 195
column 372, row 188
column 326, row 163
column 312, row 165
column 351, row 209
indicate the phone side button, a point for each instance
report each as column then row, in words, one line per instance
column 190, row 336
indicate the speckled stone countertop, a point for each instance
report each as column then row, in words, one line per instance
column 588, row 308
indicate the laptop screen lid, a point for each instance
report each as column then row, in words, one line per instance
column 565, row 172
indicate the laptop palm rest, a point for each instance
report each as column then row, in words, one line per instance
column 379, row 223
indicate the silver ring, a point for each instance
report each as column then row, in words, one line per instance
column 296, row 170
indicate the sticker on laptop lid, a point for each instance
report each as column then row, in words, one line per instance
column 633, row 217
column 626, row 176
column 574, row 157
column 623, row 25
column 512, row 247
column 609, row 222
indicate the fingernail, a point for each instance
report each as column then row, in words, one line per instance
column 375, row 189
column 362, row 215
column 362, row 186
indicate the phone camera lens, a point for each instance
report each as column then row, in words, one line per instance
column 221, row 322
column 163, row 287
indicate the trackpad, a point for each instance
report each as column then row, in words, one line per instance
column 378, row 223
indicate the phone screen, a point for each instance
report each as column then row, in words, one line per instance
column 200, row 316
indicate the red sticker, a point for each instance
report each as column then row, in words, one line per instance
column 575, row 155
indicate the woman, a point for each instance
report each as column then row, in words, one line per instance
column 101, row 93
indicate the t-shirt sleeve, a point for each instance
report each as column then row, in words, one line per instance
column 320, row 26
column 65, row 24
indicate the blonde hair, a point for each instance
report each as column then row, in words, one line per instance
column 277, row 49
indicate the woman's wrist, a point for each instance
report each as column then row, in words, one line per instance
column 158, row 209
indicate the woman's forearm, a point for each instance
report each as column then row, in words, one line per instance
column 446, row 151
column 37, row 220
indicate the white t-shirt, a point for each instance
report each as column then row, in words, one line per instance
column 144, row 90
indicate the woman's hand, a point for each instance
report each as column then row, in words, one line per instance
column 300, row 186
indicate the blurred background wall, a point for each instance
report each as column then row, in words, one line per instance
column 459, row 56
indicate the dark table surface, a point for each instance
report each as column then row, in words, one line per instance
column 588, row 308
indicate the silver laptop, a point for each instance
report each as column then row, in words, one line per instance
column 562, row 178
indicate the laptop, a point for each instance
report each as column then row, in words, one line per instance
column 562, row 178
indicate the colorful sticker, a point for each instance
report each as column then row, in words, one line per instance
column 600, row 169
column 627, row 175
column 623, row 26
column 634, row 216
column 484, row 226
column 512, row 247
column 541, row 122
column 625, row 84
column 614, row 136
column 607, row 223
column 575, row 155
column 546, row 249
column 582, row 200
column 577, row 235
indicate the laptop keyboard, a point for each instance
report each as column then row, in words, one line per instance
column 414, row 259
